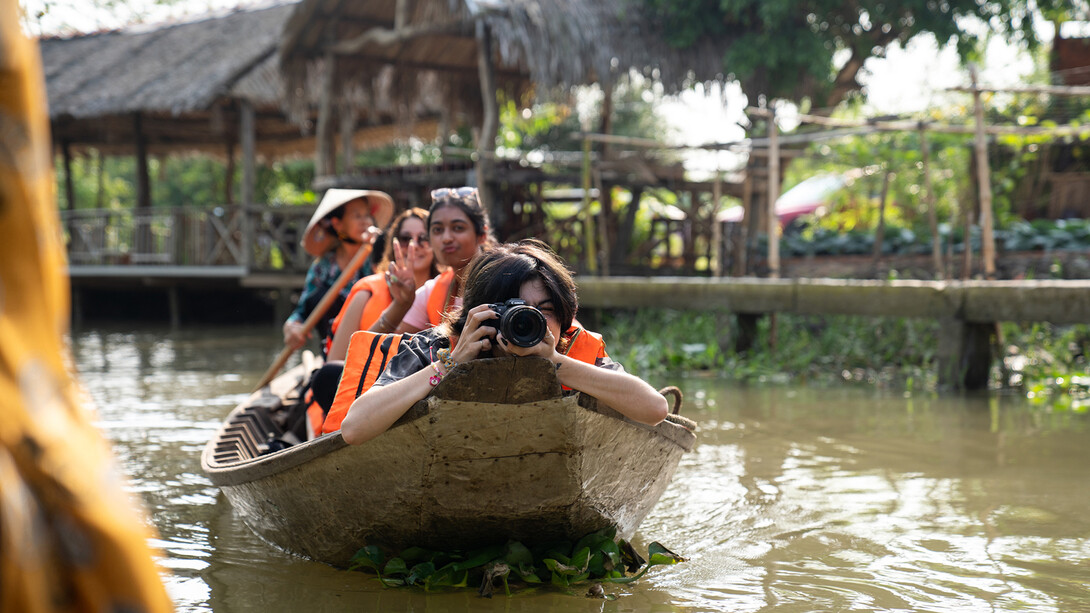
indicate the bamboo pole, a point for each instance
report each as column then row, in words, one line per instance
column 984, row 183
column 773, row 195
column 929, row 199
column 880, row 231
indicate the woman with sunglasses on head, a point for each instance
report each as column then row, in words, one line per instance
column 408, row 262
column 457, row 230
column 527, row 270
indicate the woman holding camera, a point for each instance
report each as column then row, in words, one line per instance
column 527, row 270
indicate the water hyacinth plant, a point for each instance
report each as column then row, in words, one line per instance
column 599, row 557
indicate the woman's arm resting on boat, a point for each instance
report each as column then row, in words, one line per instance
column 350, row 322
column 626, row 393
column 379, row 407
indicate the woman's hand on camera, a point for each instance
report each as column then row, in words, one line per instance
column 545, row 349
column 475, row 338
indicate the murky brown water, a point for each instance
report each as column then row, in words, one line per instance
column 794, row 499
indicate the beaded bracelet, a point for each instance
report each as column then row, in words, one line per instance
column 437, row 377
column 447, row 359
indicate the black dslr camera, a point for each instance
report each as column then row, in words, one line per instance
column 519, row 322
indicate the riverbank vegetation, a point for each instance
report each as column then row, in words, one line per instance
column 1049, row 363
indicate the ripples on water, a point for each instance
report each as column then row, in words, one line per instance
column 792, row 500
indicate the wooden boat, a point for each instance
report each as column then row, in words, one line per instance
column 496, row 452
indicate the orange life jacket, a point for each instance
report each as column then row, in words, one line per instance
column 376, row 304
column 368, row 354
column 437, row 299
column 585, row 346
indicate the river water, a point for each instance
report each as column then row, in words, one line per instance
column 794, row 499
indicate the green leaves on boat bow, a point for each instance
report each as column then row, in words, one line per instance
column 599, row 557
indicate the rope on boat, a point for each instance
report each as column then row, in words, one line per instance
column 676, row 393
column 675, row 416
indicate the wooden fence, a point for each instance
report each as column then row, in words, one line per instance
column 252, row 238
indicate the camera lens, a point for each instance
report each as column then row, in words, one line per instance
column 523, row 325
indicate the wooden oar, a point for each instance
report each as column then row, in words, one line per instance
column 323, row 306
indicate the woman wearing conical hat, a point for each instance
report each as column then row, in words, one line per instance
column 344, row 221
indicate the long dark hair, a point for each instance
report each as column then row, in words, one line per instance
column 498, row 274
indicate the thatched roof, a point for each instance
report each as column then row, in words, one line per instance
column 185, row 81
column 543, row 44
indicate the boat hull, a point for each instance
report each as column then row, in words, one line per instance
column 459, row 473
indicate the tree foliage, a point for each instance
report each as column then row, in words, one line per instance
column 814, row 49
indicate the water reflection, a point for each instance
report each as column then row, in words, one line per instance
column 793, row 499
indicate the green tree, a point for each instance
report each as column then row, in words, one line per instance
column 814, row 49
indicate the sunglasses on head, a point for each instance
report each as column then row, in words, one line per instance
column 454, row 192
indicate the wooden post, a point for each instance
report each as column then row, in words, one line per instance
column 987, row 238
column 605, row 194
column 69, row 185
column 929, row 200
column 402, row 12
column 717, row 228
column 141, row 228
column 741, row 247
column 486, row 144
column 880, row 231
column 967, row 253
column 143, row 180
column 348, row 138
column 174, row 302
column 773, row 195
column 248, row 137
column 323, row 157
column 100, row 179
column 229, row 175
column 605, row 206
column 747, row 331
column 964, row 355
column 588, row 219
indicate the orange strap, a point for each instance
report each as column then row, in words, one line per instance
column 368, row 354
column 376, row 304
column 437, row 299
column 315, row 415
